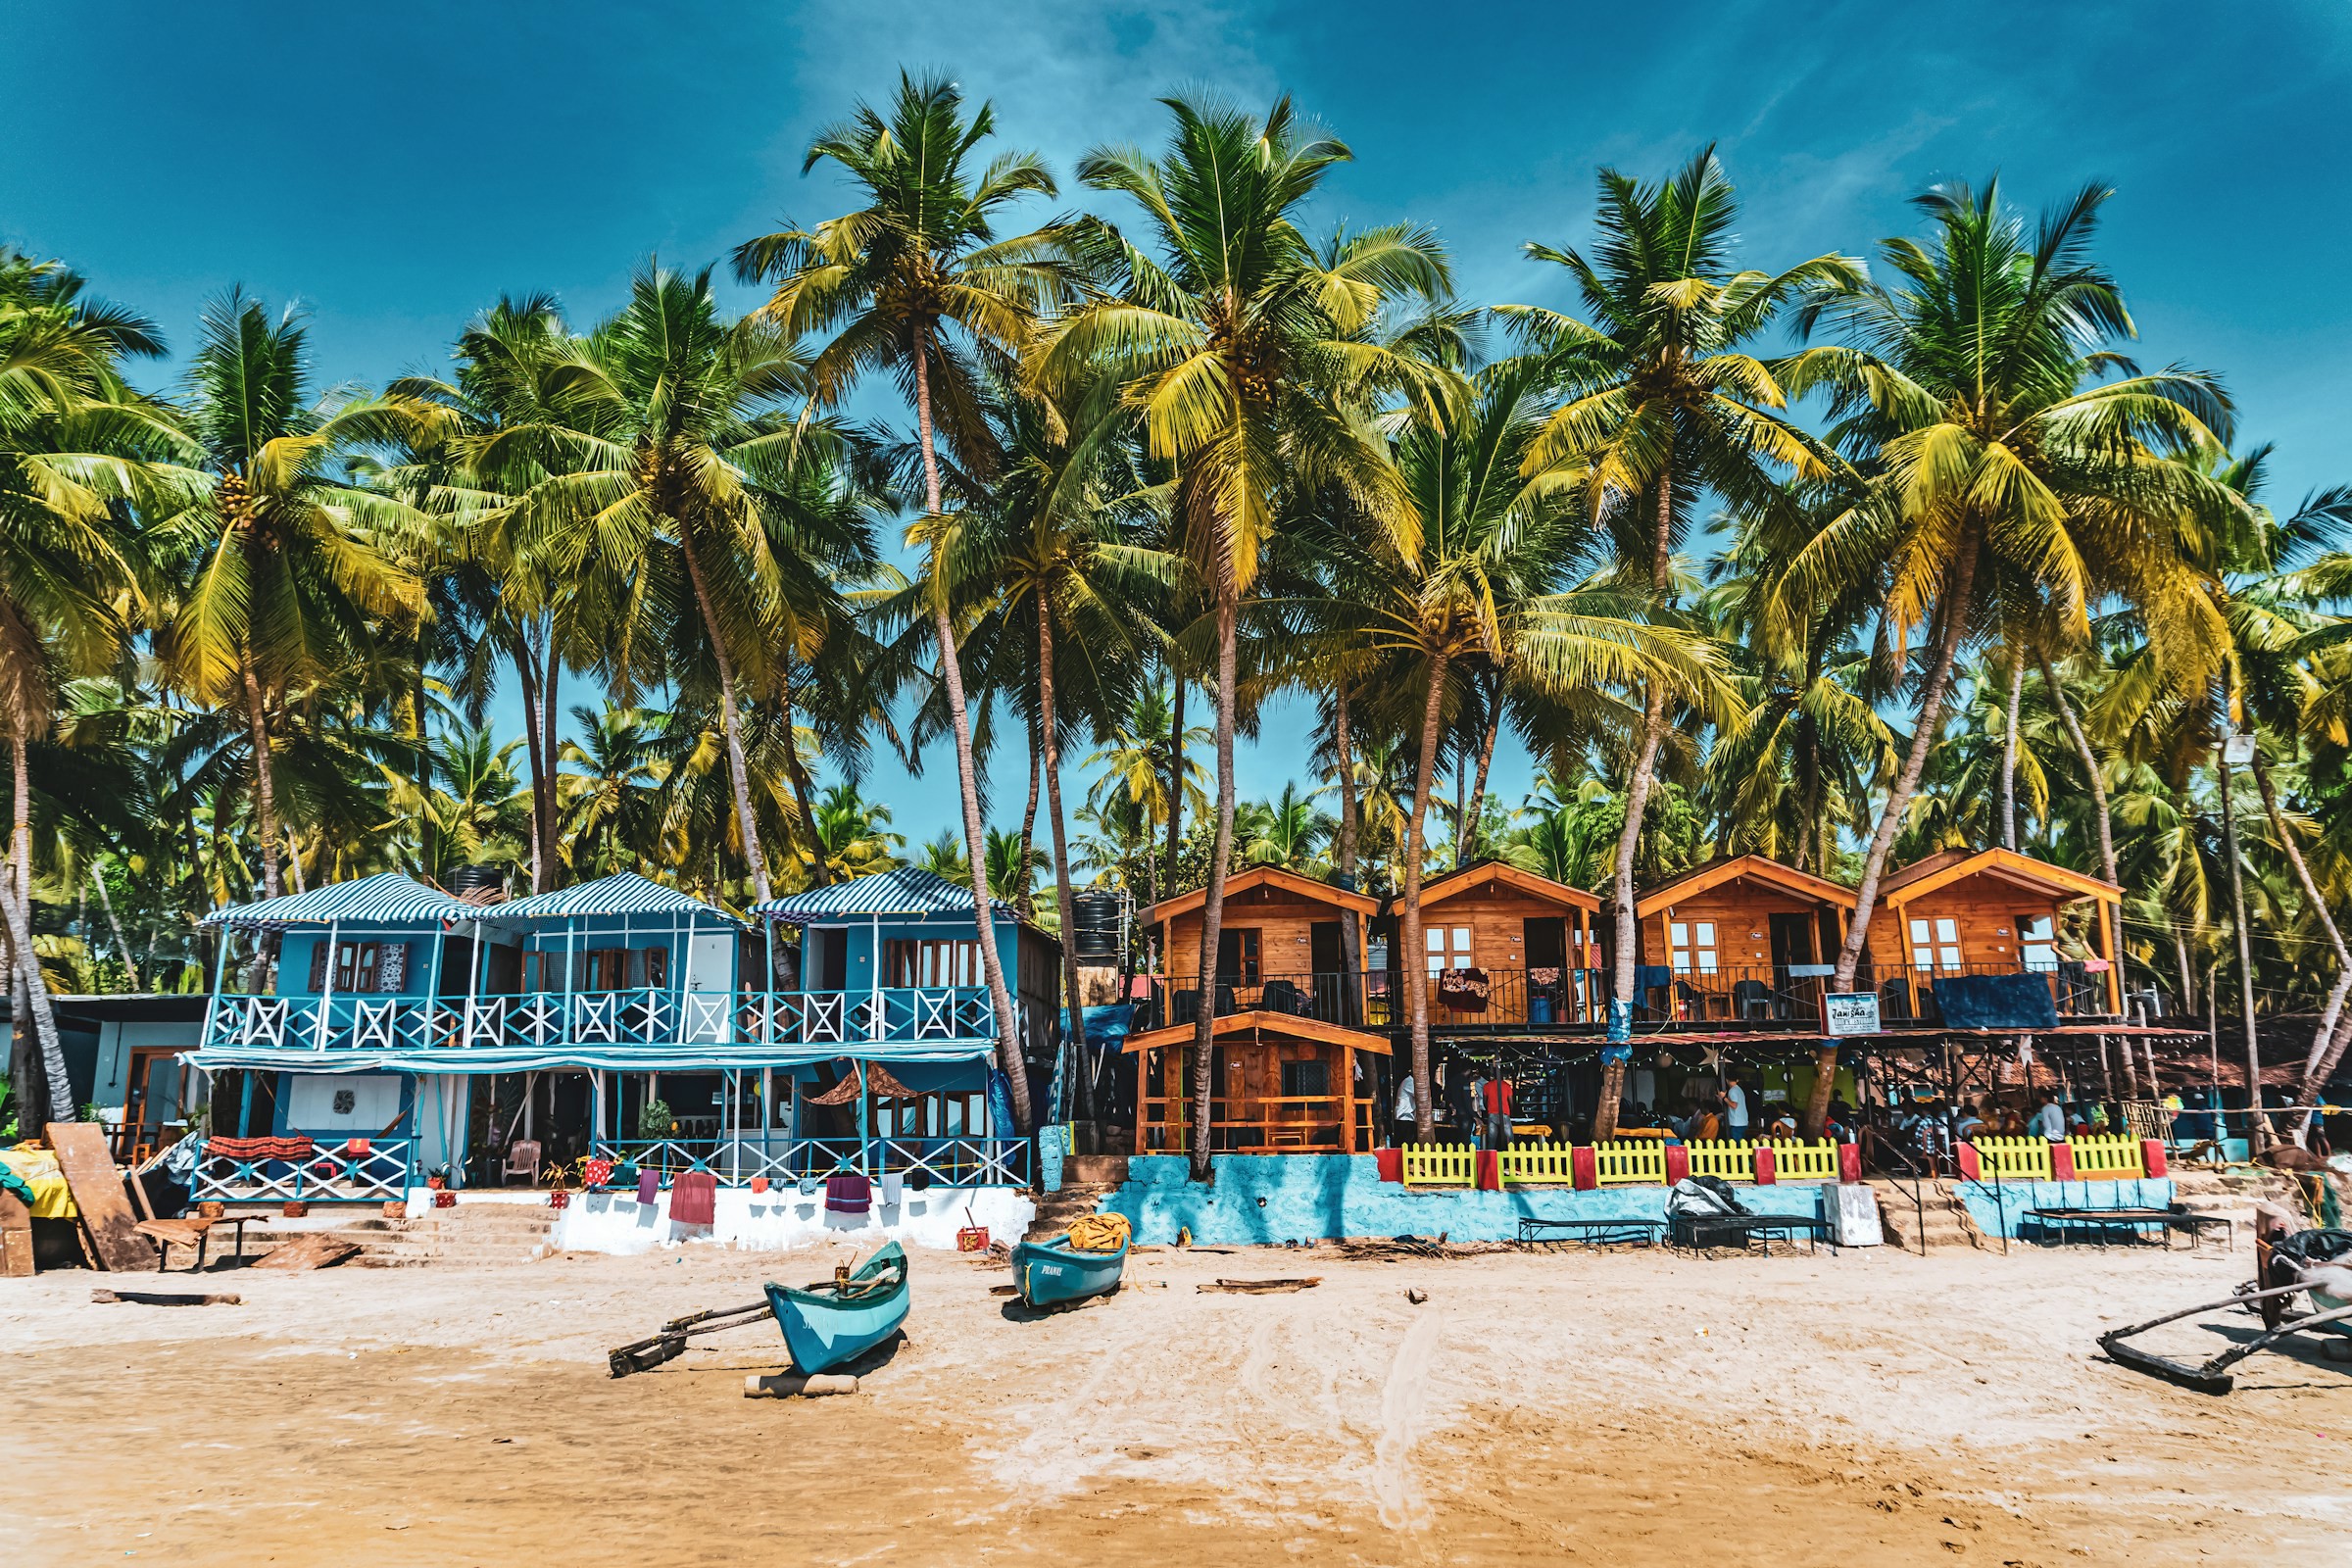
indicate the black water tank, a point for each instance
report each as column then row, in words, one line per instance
column 1096, row 916
column 476, row 878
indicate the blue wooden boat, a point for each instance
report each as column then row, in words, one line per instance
column 1054, row 1273
column 841, row 1319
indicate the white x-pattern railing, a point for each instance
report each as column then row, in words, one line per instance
column 638, row 1017
column 357, row 1172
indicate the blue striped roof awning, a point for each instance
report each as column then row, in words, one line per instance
column 387, row 899
column 909, row 892
column 621, row 893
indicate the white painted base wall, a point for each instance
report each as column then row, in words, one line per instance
column 776, row 1221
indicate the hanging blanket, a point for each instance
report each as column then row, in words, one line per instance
column 840, row 1094
column 1465, row 990
column 694, row 1198
column 849, row 1193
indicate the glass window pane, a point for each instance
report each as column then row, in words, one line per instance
column 1434, row 937
column 1461, row 939
column 1706, row 933
column 1682, row 961
column 1951, row 959
column 1921, row 958
column 1706, row 961
column 1919, row 930
column 1947, row 930
column 1679, row 934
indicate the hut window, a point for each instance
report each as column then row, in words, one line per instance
column 1239, row 955
column 656, row 968
column 2038, row 941
column 1692, row 943
column 1301, row 1080
column 1448, row 945
column 930, row 965
column 1943, row 950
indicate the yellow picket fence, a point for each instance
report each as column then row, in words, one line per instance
column 2015, row 1159
column 1539, row 1163
column 1624, row 1160
column 2108, row 1158
column 1794, row 1160
column 1439, row 1164
column 1729, row 1161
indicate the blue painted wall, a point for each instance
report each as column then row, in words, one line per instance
column 1260, row 1199
column 864, row 937
column 2003, row 1212
column 298, row 950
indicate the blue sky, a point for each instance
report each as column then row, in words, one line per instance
column 396, row 169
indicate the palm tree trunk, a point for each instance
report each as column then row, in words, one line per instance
column 2258, row 1126
column 2307, row 1095
column 543, row 850
column 2017, row 692
column 1063, row 900
column 428, row 839
column 1351, row 941
column 1629, row 838
column 1951, row 628
column 975, row 837
column 106, row 903
column 1025, row 904
column 1408, row 937
column 19, row 899
column 543, row 794
column 265, row 785
column 1468, row 836
column 1220, row 854
column 803, row 794
column 1175, row 772
column 738, row 770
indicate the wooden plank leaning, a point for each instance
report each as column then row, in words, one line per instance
column 97, row 1189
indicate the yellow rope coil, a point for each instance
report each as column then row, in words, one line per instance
column 1098, row 1233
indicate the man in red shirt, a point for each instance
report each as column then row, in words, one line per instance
column 1499, row 1112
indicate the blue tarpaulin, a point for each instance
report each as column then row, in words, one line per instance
column 1997, row 1001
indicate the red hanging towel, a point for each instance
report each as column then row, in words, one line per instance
column 694, row 1198
column 848, row 1193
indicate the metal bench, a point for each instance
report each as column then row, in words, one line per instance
column 1590, row 1232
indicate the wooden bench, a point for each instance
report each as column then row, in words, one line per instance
column 197, row 1233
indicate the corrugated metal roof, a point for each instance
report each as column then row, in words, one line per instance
column 389, row 898
column 621, row 893
column 909, row 892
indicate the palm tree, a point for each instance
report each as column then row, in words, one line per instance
column 292, row 571
column 853, row 834
column 1964, row 384
column 897, row 282
column 74, row 444
column 1488, row 587
column 695, row 512
column 1243, row 348
column 610, row 816
column 1286, row 831
column 1661, row 397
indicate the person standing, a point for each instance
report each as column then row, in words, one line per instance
column 1407, row 1111
column 1736, row 1122
column 1497, row 1095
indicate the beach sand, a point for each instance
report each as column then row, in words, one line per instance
column 1865, row 1408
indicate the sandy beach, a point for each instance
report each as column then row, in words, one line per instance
column 1861, row 1407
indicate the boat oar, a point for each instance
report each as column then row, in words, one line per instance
column 667, row 1345
column 2213, row 1376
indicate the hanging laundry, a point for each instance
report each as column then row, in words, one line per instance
column 849, row 1193
column 694, row 1198
column 649, row 1185
column 894, row 1188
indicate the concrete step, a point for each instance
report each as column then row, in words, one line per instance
column 1055, row 1209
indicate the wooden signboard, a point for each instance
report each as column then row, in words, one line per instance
column 97, row 1189
column 1849, row 1012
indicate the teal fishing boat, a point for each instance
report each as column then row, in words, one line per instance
column 825, row 1325
column 1054, row 1273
